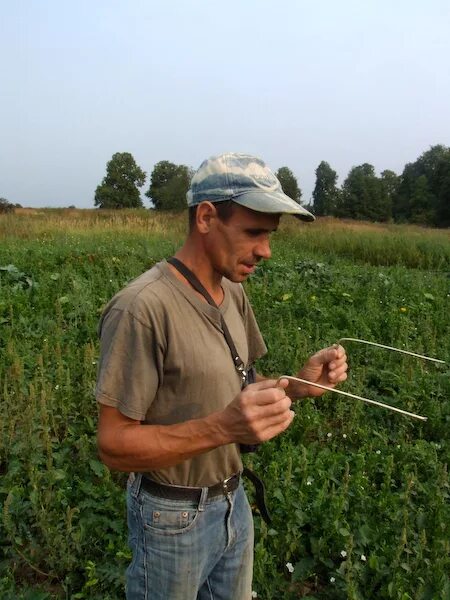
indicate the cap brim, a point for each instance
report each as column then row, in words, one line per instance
column 272, row 202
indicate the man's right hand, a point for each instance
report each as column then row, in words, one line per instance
column 258, row 413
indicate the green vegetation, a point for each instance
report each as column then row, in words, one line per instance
column 359, row 496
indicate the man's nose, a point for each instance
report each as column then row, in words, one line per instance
column 263, row 250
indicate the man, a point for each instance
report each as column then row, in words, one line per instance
column 172, row 408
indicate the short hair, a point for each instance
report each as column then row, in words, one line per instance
column 224, row 211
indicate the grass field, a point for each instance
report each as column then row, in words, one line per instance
column 360, row 496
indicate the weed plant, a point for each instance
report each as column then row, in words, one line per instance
column 359, row 496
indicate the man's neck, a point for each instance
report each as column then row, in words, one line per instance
column 198, row 263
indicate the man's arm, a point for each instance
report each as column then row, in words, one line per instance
column 260, row 412
column 326, row 367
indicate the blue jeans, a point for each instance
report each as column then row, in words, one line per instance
column 184, row 550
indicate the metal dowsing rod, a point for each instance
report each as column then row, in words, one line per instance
column 436, row 360
column 375, row 402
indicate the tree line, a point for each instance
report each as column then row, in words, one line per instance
column 421, row 194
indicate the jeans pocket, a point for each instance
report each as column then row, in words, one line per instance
column 167, row 517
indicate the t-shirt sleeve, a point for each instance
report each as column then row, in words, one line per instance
column 128, row 373
column 256, row 344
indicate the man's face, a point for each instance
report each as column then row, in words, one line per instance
column 237, row 245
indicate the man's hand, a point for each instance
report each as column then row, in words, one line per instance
column 326, row 367
column 258, row 413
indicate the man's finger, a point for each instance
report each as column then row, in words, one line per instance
column 327, row 355
column 263, row 385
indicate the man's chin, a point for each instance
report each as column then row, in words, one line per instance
column 237, row 277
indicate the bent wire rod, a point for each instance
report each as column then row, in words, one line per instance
column 436, row 360
column 324, row 387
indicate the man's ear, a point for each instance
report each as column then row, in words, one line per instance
column 206, row 214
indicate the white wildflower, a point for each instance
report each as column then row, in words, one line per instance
column 289, row 567
column 378, row 452
column 344, row 435
column 343, row 553
column 329, row 434
column 363, row 557
column 332, row 579
column 254, row 594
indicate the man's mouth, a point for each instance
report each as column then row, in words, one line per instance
column 249, row 267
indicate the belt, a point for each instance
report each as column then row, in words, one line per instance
column 178, row 492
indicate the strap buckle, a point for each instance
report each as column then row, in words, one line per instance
column 225, row 483
column 240, row 368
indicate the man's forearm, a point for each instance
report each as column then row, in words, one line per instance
column 132, row 446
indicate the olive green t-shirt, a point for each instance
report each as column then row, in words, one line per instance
column 164, row 360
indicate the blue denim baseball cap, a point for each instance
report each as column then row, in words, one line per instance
column 246, row 180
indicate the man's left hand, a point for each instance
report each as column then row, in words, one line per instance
column 327, row 367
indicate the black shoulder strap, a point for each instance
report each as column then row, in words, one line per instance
column 193, row 280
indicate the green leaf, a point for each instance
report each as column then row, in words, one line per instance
column 303, row 569
column 10, row 269
column 279, row 495
column 97, row 467
column 59, row 474
column 364, row 534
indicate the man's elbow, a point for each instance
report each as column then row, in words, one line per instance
column 108, row 454
column 105, row 457
column 113, row 439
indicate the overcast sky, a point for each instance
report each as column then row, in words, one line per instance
column 295, row 82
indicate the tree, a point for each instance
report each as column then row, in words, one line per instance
column 363, row 196
column 6, row 206
column 169, row 185
column 289, row 183
column 390, row 182
column 425, row 200
column 325, row 192
column 442, row 216
column 119, row 188
column 422, row 202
